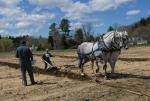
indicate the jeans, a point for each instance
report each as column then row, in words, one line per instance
column 26, row 66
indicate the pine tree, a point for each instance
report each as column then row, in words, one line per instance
column 110, row 29
column 64, row 26
column 79, row 36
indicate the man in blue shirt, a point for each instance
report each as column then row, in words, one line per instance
column 25, row 57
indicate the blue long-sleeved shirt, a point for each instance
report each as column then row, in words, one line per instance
column 24, row 53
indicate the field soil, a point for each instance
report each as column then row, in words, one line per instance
column 64, row 83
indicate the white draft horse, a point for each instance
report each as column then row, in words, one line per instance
column 107, row 49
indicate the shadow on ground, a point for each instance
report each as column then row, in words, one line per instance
column 76, row 76
column 53, row 72
column 126, row 75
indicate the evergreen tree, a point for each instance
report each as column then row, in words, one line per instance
column 110, row 29
column 51, row 41
column 142, row 22
column 79, row 36
column 54, row 36
column 64, row 41
column 64, row 26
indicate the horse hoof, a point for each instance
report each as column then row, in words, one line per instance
column 114, row 76
column 97, row 70
column 105, row 77
column 82, row 74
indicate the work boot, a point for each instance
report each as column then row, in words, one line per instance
column 33, row 83
column 32, row 79
column 24, row 83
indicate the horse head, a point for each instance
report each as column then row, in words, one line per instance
column 117, row 40
column 125, row 39
column 121, row 39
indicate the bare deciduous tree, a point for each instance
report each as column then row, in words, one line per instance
column 87, row 30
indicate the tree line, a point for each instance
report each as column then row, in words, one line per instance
column 60, row 36
column 140, row 29
column 10, row 43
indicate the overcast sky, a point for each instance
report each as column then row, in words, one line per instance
column 21, row 17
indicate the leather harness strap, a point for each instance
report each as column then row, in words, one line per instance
column 106, row 48
column 104, row 43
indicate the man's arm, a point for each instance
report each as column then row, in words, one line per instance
column 30, row 54
column 17, row 54
column 50, row 55
column 43, row 57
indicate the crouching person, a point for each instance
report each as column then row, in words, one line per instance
column 46, row 59
column 25, row 57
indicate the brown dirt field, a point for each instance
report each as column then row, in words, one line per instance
column 131, row 84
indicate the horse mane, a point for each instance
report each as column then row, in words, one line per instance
column 108, row 34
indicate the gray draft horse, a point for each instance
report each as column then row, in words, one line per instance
column 107, row 49
column 113, row 43
column 89, row 51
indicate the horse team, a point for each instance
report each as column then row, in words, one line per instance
column 106, row 49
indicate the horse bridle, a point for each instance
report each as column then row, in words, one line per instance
column 113, row 48
column 115, row 42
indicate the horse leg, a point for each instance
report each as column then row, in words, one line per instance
column 97, row 70
column 105, row 69
column 81, row 66
column 112, row 64
column 92, row 65
column 79, row 63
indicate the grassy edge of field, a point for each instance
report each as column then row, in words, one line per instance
column 62, row 50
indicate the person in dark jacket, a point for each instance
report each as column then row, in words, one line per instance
column 25, row 57
column 46, row 58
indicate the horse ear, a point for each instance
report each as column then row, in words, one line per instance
column 115, row 32
column 126, row 33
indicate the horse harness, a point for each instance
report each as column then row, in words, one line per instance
column 91, row 55
column 101, row 47
column 106, row 48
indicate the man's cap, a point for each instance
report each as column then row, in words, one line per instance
column 23, row 42
column 47, row 49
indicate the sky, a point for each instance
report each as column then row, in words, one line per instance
column 33, row 17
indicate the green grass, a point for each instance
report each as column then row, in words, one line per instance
column 37, row 52
column 7, row 53
column 64, row 50
column 57, row 50
column 61, row 50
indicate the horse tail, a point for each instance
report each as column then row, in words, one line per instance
column 79, row 52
